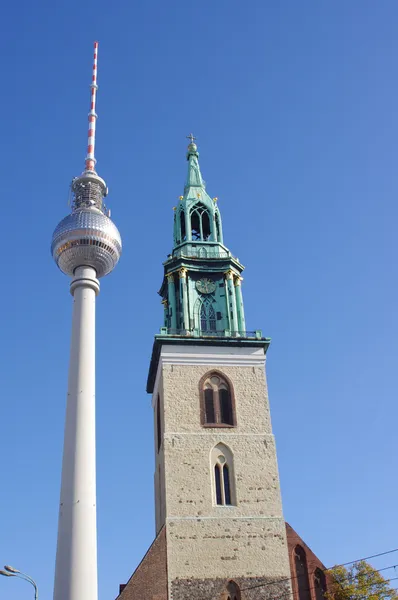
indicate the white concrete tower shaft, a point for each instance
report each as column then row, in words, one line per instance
column 76, row 561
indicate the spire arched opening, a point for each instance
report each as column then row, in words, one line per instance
column 218, row 227
column 183, row 235
column 200, row 223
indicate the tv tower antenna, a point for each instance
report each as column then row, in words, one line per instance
column 92, row 116
column 86, row 245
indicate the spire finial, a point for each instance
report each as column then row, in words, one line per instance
column 192, row 147
column 92, row 116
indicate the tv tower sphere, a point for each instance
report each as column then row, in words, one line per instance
column 87, row 236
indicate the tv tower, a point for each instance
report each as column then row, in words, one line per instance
column 86, row 245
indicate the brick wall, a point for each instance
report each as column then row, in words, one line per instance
column 149, row 580
column 313, row 562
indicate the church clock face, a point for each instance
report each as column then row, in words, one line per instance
column 205, row 286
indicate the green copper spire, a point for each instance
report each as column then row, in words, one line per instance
column 197, row 217
column 194, row 178
column 201, row 290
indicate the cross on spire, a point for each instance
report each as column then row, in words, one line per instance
column 191, row 137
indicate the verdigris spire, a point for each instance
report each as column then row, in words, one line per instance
column 197, row 218
column 201, row 289
column 194, row 177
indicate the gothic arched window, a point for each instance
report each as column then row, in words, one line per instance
column 217, row 401
column 300, row 563
column 231, row 592
column 207, row 316
column 223, row 476
column 200, row 223
column 319, row 584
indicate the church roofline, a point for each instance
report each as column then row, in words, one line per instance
column 164, row 338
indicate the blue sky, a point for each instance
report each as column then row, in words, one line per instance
column 295, row 107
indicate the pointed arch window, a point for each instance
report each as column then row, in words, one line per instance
column 319, row 584
column 302, row 581
column 208, row 320
column 217, row 401
column 200, row 223
column 223, row 476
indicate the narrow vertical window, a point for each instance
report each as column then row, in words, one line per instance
column 319, row 584
column 182, row 226
column 158, row 424
column 217, row 478
column 217, row 219
column 209, row 406
column 225, row 406
column 227, row 489
column 212, row 319
column 203, row 317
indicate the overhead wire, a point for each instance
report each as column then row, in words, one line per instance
column 324, row 571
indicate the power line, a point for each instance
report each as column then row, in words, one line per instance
column 329, row 568
column 279, row 581
column 258, row 585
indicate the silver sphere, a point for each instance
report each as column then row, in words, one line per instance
column 86, row 237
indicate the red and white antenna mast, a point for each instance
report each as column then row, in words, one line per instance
column 92, row 116
column 89, row 189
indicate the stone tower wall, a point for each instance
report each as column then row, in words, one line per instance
column 206, row 543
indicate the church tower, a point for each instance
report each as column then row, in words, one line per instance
column 219, row 522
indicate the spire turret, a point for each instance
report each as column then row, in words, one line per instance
column 197, row 218
column 201, row 288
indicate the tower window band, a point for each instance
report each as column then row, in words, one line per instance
column 217, row 402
